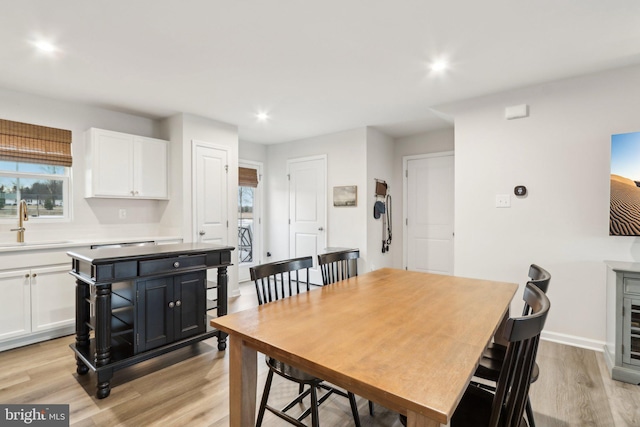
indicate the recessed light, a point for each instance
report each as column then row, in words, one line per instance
column 45, row 46
column 262, row 116
column 439, row 66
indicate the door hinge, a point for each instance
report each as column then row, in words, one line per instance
column 406, row 221
column 137, row 295
column 137, row 339
column 289, row 221
column 289, row 177
column 259, row 220
column 622, row 349
column 226, row 168
column 227, row 223
column 623, row 311
column 406, row 173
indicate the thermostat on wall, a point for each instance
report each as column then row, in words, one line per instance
column 520, row 190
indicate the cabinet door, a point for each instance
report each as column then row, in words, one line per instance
column 52, row 298
column 150, row 168
column 154, row 313
column 15, row 304
column 191, row 311
column 111, row 163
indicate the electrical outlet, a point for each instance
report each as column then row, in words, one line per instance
column 122, row 214
column 503, row 200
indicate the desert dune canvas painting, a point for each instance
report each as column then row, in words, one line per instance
column 624, row 212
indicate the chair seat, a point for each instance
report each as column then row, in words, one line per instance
column 474, row 410
column 289, row 372
column 491, row 363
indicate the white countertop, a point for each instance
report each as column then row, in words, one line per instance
column 63, row 244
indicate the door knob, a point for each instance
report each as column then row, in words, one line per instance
column 171, row 304
column 202, row 232
column 320, row 228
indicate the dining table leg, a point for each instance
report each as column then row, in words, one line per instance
column 243, row 373
column 418, row 420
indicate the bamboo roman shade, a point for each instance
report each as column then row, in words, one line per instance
column 24, row 142
column 247, row 177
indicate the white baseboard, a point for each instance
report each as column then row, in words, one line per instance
column 573, row 340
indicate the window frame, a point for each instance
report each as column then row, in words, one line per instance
column 66, row 193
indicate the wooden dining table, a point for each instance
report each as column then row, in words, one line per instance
column 409, row 341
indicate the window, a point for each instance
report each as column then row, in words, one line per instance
column 247, row 184
column 35, row 163
column 43, row 187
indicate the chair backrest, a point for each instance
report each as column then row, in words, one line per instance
column 539, row 277
column 281, row 279
column 337, row 266
column 523, row 336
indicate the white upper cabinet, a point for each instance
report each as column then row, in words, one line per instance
column 125, row 166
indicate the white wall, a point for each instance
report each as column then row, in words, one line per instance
column 379, row 166
column 346, row 165
column 561, row 153
column 252, row 151
column 90, row 217
column 183, row 129
column 436, row 141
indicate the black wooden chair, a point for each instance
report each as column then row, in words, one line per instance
column 504, row 407
column 338, row 265
column 492, row 359
column 278, row 280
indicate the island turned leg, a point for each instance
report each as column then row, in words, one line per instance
column 222, row 304
column 103, row 339
column 82, row 318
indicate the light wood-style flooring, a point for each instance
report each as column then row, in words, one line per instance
column 189, row 387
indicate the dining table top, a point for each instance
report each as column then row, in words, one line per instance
column 409, row 341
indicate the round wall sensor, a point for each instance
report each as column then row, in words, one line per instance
column 520, row 190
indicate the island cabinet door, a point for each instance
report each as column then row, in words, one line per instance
column 169, row 309
column 154, row 313
column 191, row 305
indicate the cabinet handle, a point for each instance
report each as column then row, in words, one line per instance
column 171, row 304
column 176, row 264
column 132, row 193
column 178, row 303
column 26, row 276
column 34, row 275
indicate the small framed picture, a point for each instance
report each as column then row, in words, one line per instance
column 345, row 196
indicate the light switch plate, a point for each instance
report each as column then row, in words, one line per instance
column 503, row 200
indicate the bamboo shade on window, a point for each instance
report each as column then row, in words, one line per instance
column 24, row 142
column 247, row 177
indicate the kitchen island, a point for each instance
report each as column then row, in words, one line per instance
column 142, row 302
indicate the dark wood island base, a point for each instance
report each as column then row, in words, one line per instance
column 142, row 302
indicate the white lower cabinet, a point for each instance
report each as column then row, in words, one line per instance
column 36, row 304
column 52, row 298
column 15, row 304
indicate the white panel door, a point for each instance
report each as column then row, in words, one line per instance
column 308, row 209
column 210, row 194
column 429, row 224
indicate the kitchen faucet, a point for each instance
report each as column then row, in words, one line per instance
column 23, row 215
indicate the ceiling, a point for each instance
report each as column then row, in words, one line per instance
column 315, row 67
